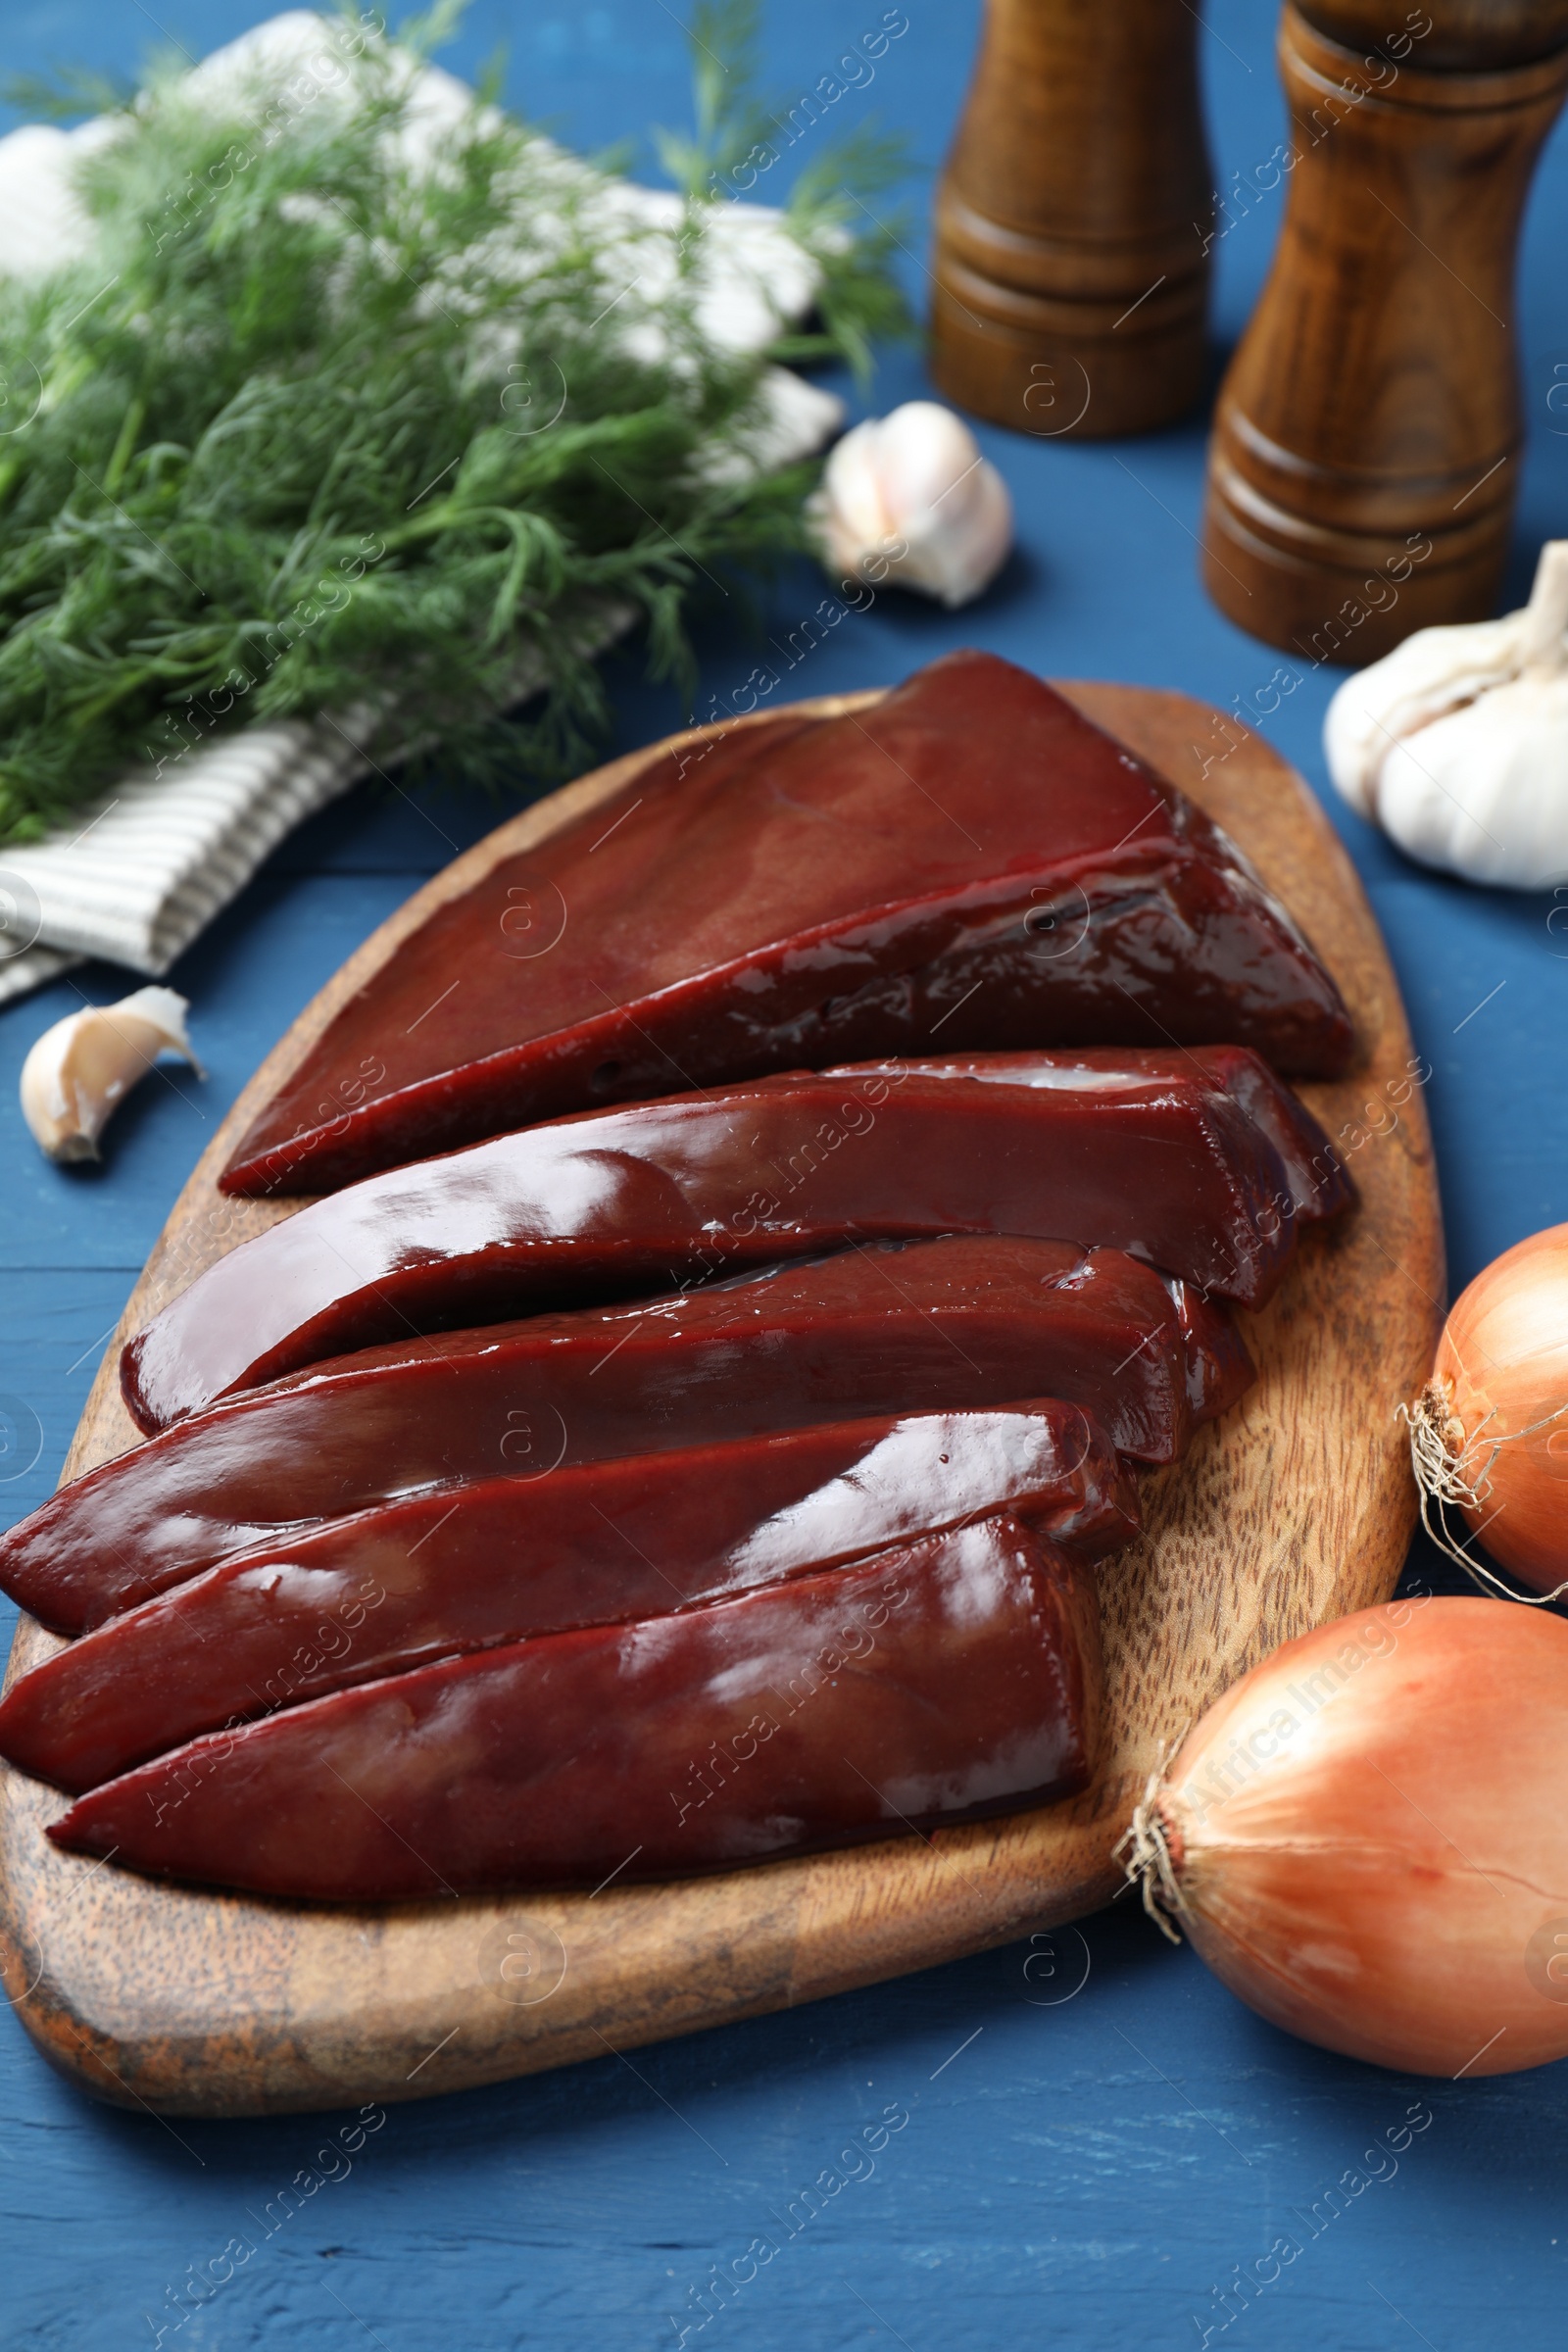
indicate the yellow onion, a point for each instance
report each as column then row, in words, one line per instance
column 1488, row 1435
column 1366, row 1837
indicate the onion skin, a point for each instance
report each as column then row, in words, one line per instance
column 1504, row 1353
column 1392, row 1881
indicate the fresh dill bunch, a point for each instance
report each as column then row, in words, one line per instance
column 349, row 415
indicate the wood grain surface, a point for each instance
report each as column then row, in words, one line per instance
column 1361, row 478
column 1295, row 1507
column 1070, row 275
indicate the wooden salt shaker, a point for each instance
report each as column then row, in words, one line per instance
column 1363, row 465
column 1073, row 220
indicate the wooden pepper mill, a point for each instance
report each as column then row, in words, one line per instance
column 1074, row 219
column 1363, row 465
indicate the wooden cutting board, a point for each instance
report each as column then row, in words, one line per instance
column 1297, row 1507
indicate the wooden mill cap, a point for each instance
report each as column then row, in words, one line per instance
column 1474, row 36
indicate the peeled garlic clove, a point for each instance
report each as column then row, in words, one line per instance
column 79, row 1070
column 909, row 498
column 1457, row 743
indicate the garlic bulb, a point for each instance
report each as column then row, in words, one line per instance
column 1457, row 743
column 79, row 1070
column 909, row 498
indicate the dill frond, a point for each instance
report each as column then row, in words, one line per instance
column 331, row 423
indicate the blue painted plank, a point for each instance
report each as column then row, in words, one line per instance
column 57, row 1320
column 1107, row 2168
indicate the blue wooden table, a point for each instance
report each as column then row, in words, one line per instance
column 1080, row 2142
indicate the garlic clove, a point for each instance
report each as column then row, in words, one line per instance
column 924, row 454
column 909, row 498
column 848, row 510
column 80, row 1070
column 1457, row 743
